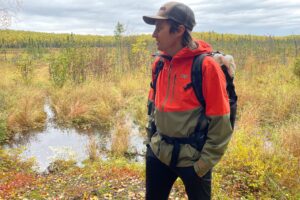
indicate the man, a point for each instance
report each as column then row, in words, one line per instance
column 175, row 114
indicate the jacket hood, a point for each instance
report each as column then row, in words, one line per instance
column 203, row 47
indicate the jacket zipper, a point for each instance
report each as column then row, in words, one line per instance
column 173, row 88
column 168, row 88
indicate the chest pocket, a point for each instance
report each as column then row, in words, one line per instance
column 179, row 93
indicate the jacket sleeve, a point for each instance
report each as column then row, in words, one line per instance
column 218, row 113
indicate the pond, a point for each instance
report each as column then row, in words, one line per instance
column 55, row 142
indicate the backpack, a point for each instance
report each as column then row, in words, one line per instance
column 198, row 138
column 228, row 67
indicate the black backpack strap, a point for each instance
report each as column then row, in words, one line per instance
column 158, row 68
column 197, row 78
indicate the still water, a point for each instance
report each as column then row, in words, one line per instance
column 68, row 143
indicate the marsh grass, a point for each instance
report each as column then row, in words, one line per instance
column 262, row 161
column 28, row 115
column 91, row 104
column 289, row 134
column 92, row 148
column 271, row 91
column 120, row 137
column 22, row 105
column 134, row 89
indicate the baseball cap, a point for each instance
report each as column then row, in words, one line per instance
column 176, row 11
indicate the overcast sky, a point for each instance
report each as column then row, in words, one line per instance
column 259, row 17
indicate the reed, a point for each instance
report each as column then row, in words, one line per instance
column 28, row 114
column 120, row 140
column 92, row 148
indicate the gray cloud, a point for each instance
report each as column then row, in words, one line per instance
column 263, row 17
column 255, row 17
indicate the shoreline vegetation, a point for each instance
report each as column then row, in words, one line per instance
column 95, row 82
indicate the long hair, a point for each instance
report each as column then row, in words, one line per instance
column 187, row 40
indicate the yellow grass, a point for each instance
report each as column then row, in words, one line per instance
column 92, row 148
column 262, row 160
column 28, row 115
column 24, row 104
column 263, row 155
column 289, row 135
column 92, row 103
column 120, row 138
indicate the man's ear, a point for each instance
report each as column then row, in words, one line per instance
column 181, row 29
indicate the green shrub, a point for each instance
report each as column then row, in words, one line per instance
column 11, row 162
column 297, row 68
column 71, row 64
column 61, row 166
column 26, row 68
column 2, row 131
column 58, row 70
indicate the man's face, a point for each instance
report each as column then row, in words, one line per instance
column 165, row 40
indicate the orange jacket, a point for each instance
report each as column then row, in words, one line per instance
column 176, row 74
column 177, row 109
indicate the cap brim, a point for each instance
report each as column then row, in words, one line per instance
column 151, row 19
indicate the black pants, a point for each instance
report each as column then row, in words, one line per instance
column 160, row 179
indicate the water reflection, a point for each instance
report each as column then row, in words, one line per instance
column 68, row 143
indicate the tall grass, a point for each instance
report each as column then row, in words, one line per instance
column 90, row 104
column 28, row 115
column 262, row 161
column 120, row 137
column 92, row 148
column 22, row 105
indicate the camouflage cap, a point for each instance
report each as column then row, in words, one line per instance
column 176, row 11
